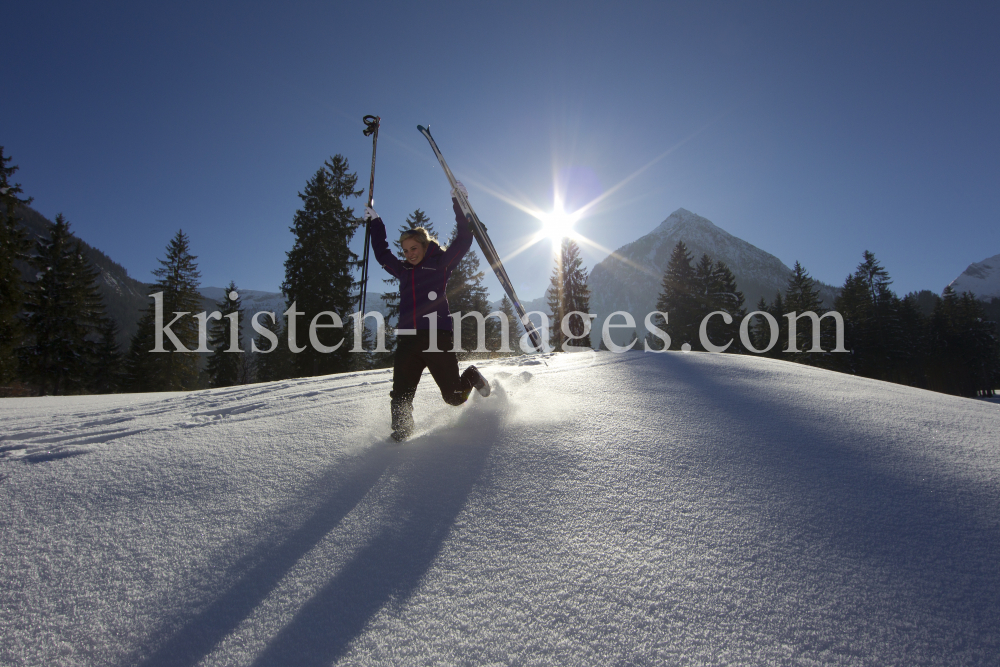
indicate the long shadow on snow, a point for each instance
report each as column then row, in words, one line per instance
column 439, row 474
column 922, row 528
column 261, row 570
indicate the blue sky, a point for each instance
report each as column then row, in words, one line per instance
column 813, row 130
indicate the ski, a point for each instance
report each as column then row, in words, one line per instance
column 479, row 232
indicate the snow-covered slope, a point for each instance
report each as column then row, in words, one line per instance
column 981, row 278
column 673, row 509
column 630, row 278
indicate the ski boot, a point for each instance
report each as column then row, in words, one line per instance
column 481, row 384
column 402, row 420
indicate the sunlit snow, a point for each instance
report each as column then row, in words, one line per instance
column 596, row 509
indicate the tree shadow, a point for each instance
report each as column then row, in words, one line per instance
column 261, row 570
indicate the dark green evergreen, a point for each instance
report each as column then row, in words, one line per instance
column 225, row 367
column 272, row 362
column 467, row 294
column 318, row 268
column 64, row 315
column 801, row 297
column 171, row 370
column 13, row 246
column 568, row 293
column 964, row 348
column 107, row 375
column 925, row 301
column 679, row 299
column 718, row 292
column 514, row 326
column 760, row 329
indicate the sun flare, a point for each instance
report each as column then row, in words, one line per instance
column 558, row 224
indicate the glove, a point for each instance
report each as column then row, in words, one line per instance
column 370, row 213
column 460, row 216
column 459, row 188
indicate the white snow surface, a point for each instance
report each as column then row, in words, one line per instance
column 981, row 278
column 640, row 509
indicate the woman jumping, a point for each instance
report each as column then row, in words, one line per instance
column 423, row 306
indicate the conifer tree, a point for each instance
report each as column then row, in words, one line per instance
column 64, row 313
column 872, row 328
column 911, row 348
column 852, row 304
column 679, row 299
column 800, row 297
column 272, row 362
column 567, row 293
column 760, row 328
column 225, row 367
column 13, row 246
column 318, row 268
column 172, row 370
column 964, row 347
column 515, row 328
column 467, row 294
column 718, row 292
column 106, row 377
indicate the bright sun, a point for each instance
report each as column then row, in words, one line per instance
column 558, row 224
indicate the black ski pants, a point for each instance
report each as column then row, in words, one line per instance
column 412, row 358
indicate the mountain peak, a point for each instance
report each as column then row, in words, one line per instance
column 981, row 278
column 682, row 217
column 630, row 278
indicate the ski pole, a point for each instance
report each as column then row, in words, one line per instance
column 371, row 128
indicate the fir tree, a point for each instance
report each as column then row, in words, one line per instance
column 718, row 293
column 679, row 299
column 760, row 329
column 852, row 304
column 272, row 362
column 925, row 301
column 800, row 297
column 467, row 294
column 568, row 293
column 872, row 328
column 13, row 246
column 911, row 350
column 64, row 313
column 172, row 370
column 964, row 347
column 515, row 329
column 107, row 376
column 318, row 268
column 225, row 367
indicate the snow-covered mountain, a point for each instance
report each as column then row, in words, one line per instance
column 597, row 509
column 630, row 278
column 981, row 278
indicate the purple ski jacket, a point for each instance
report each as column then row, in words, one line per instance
column 422, row 288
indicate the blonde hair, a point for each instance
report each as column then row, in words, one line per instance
column 419, row 234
